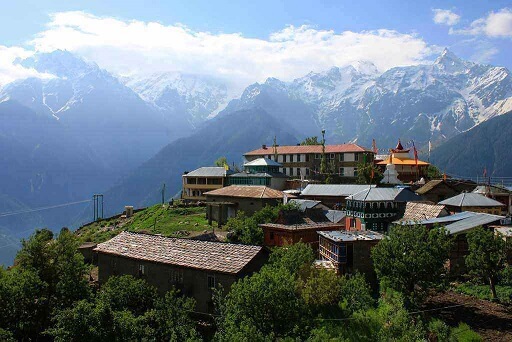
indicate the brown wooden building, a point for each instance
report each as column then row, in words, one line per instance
column 224, row 203
column 438, row 190
column 470, row 201
column 350, row 251
column 192, row 266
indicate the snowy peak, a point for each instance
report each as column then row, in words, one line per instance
column 59, row 63
column 366, row 68
column 193, row 97
column 450, row 63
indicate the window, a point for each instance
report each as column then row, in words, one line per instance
column 211, row 281
column 298, row 171
column 342, row 158
column 307, row 171
column 342, row 171
column 318, row 156
column 332, row 156
column 271, row 235
column 352, row 223
column 176, row 276
column 142, row 270
column 355, row 171
column 307, row 157
column 356, row 156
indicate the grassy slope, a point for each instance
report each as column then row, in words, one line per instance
column 154, row 220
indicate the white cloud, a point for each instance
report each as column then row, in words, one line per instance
column 445, row 17
column 9, row 71
column 136, row 47
column 495, row 24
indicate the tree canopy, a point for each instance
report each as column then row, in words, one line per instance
column 311, row 141
column 411, row 260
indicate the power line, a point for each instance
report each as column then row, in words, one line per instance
column 24, row 211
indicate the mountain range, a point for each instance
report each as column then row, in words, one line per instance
column 82, row 130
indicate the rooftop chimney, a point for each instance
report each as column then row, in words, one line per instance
column 264, row 146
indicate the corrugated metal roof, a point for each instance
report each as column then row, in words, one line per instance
column 334, row 190
column 470, row 199
column 335, row 216
column 248, row 191
column 212, row 256
column 298, row 149
column 304, row 204
column 495, row 190
column 472, row 222
column 385, row 194
column 209, row 171
column 263, row 162
column 259, row 174
column 347, row 236
column 445, row 219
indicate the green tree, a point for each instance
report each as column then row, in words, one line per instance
column 486, row 257
column 49, row 275
column 311, row 141
column 433, row 172
column 244, row 230
column 355, row 294
column 292, row 258
column 221, row 162
column 262, row 307
column 364, row 174
column 411, row 260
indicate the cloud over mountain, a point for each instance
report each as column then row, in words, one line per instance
column 135, row 47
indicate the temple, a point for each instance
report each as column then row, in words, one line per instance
column 406, row 168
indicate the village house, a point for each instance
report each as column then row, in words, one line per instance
column 261, row 171
column 409, row 169
column 224, row 203
column 302, row 225
column 469, row 201
column 303, row 161
column 349, row 251
column 196, row 183
column 332, row 195
column 194, row 267
column 499, row 194
column 375, row 208
column 437, row 190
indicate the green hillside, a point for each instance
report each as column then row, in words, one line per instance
column 485, row 146
column 158, row 219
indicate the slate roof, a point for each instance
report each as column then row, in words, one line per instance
column 456, row 185
column 334, row 190
column 472, row 222
column 418, row 211
column 248, row 191
column 209, row 171
column 303, row 226
column 385, row 194
column 340, row 236
column 263, row 162
column 298, row 149
column 470, row 199
column 211, row 256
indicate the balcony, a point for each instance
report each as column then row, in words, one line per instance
column 202, row 186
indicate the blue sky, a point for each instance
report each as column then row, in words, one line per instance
column 477, row 30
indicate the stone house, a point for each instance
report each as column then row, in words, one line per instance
column 192, row 266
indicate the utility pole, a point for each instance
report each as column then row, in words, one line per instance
column 97, row 200
column 163, row 194
column 323, row 162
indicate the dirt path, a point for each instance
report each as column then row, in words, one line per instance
column 491, row 320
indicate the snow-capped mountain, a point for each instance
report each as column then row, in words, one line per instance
column 194, row 97
column 120, row 128
column 424, row 102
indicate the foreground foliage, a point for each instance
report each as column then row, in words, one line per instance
column 411, row 260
